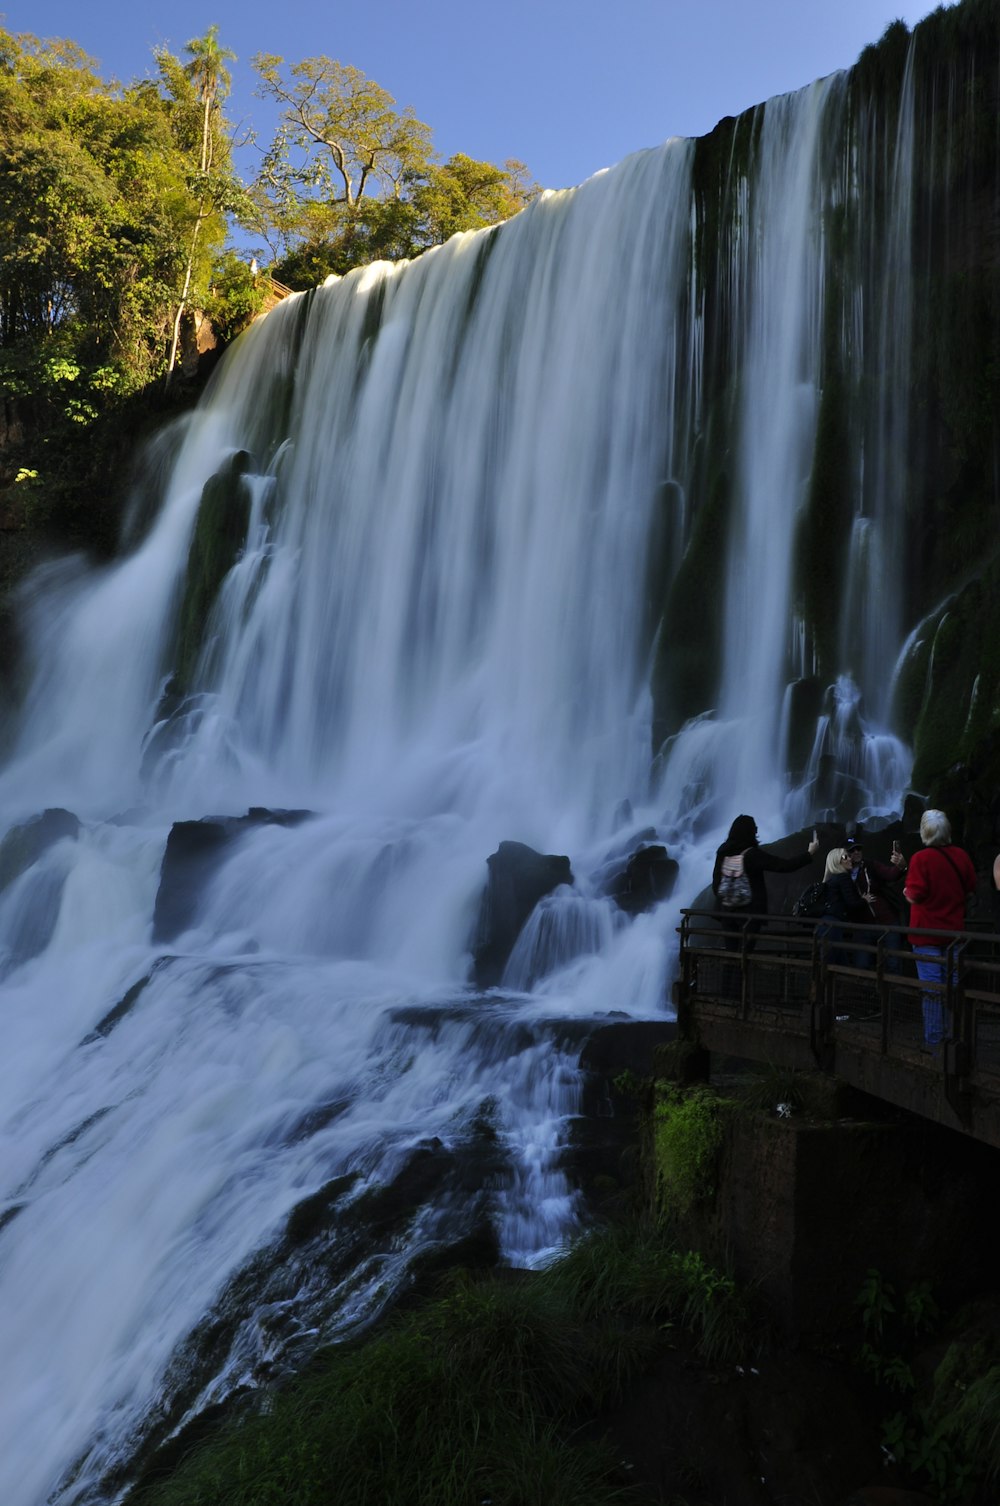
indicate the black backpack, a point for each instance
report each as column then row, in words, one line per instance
column 811, row 903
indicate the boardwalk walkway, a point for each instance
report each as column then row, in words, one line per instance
column 786, row 995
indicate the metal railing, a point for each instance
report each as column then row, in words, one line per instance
column 847, row 985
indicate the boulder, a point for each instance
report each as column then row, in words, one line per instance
column 194, row 853
column 648, row 877
column 23, row 845
column 518, row 878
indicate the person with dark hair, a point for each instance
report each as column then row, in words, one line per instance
column 939, row 881
column 742, row 854
column 872, row 880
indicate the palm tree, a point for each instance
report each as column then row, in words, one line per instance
column 208, row 72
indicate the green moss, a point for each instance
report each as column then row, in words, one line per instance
column 959, row 717
column 689, row 652
column 219, row 535
column 688, row 1134
column 911, row 682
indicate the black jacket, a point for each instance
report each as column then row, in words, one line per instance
column 756, row 863
column 843, row 901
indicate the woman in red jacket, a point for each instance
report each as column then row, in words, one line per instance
column 938, row 883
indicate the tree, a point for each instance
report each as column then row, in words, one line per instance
column 206, row 79
column 349, row 178
column 468, row 195
column 341, row 136
column 92, row 194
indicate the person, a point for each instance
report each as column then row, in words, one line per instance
column 995, row 894
column 871, row 879
column 939, row 881
column 844, row 906
column 743, row 842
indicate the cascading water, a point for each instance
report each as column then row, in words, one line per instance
column 436, row 636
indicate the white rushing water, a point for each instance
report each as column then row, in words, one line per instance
column 435, row 639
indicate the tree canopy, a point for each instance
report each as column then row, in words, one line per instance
column 350, row 178
column 116, row 201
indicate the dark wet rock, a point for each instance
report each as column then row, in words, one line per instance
column 832, row 794
column 71, row 1137
column 648, row 877
column 626, row 1046
column 9, row 1214
column 316, row 1212
column 290, row 1297
column 805, row 702
column 115, row 1016
column 194, row 853
column 219, row 537
column 31, row 885
column 316, row 1119
column 601, row 1157
column 23, row 845
column 518, row 878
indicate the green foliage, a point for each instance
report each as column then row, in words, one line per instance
column 688, row 1133
column 973, row 1426
column 349, row 178
column 929, row 1454
column 877, row 1301
column 219, row 535
column 772, row 1085
column 235, row 296
column 464, row 194
column 97, row 204
column 949, row 1440
column 341, row 134
column 476, row 1395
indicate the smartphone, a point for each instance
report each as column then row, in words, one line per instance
column 815, row 837
column 896, row 847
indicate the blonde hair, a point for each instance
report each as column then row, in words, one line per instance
column 837, row 861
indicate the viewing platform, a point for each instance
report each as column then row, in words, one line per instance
column 789, row 995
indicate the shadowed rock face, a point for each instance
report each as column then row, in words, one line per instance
column 648, row 877
column 23, row 845
column 518, row 878
column 32, row 906
column 195, row 852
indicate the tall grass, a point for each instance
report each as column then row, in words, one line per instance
column 473, row 1398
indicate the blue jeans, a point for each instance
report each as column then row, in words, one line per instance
column 931, row 969
column 843, row 956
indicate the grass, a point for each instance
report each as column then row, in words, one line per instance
column 476, row 1396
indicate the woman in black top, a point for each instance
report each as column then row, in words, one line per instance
column 843, row 903
column 757, row 861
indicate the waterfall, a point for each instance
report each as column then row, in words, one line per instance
column 779, row 255
column 464, row 488
column 876, row 560
column 434, row 637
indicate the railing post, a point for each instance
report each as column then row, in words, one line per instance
column 963, row 1031
column 744, row 971
column 821, row 1021
column 882, row 992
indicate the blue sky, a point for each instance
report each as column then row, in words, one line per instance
column 567, row 86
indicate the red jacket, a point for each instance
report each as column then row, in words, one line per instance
column 936, row 892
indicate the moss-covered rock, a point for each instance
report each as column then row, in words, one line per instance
column 219, row 536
